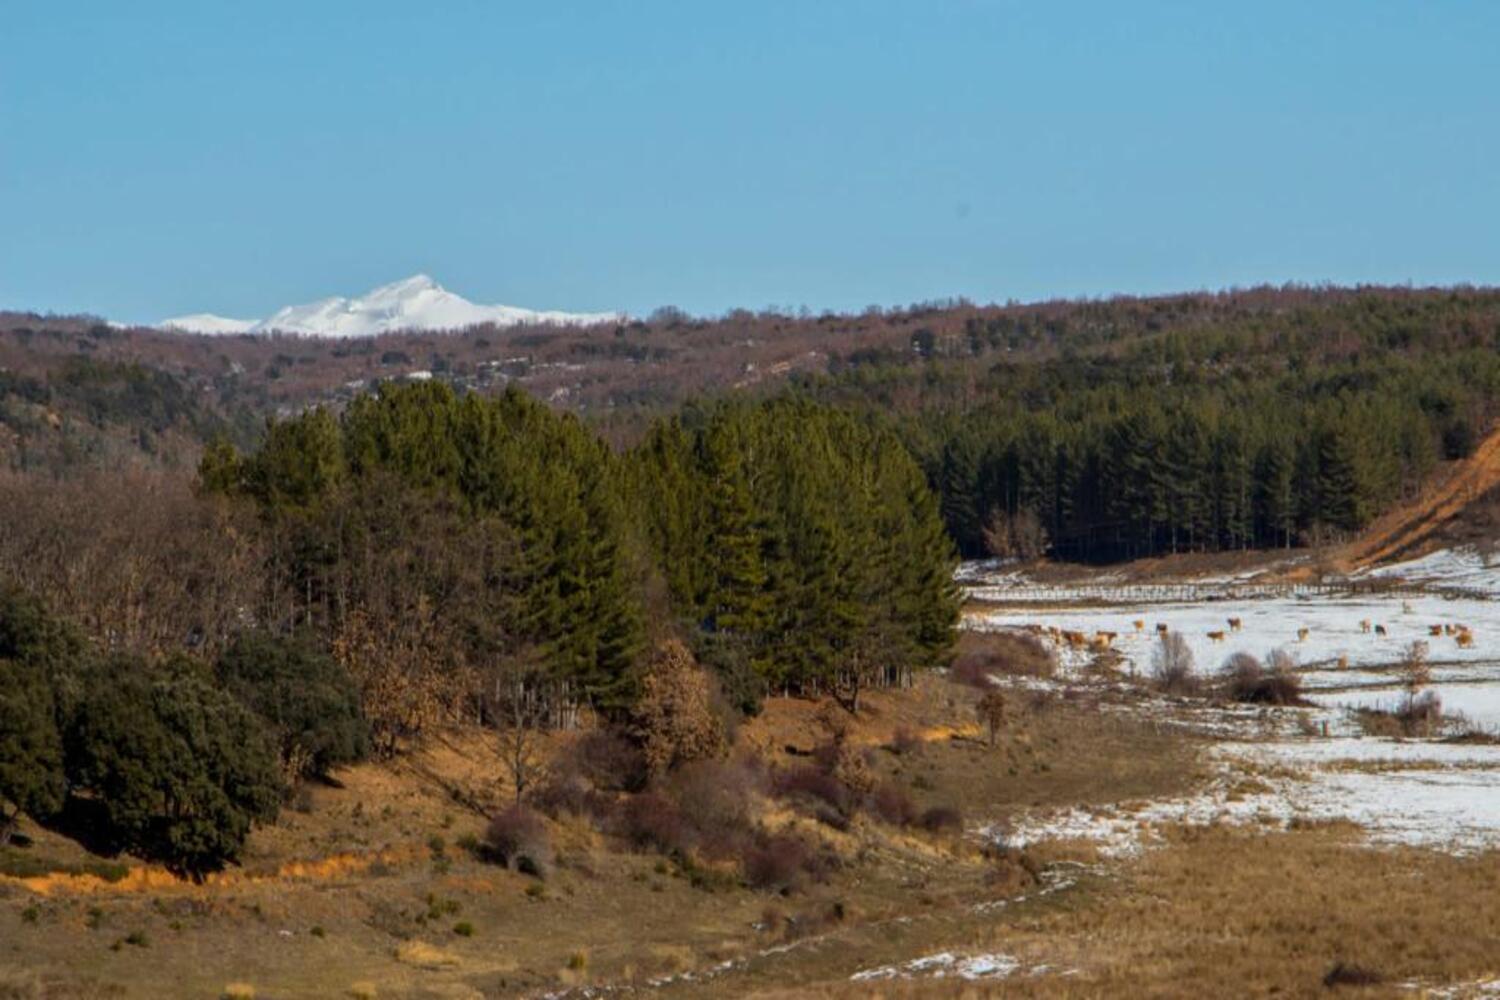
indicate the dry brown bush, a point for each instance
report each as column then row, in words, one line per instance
column 674, row 718
column 1172, row 665
column 981, row 654
column 518, row 839
column 651, row 820
column 892, row 805
column 941, row 819
column 776, row 862
column 1245, row 680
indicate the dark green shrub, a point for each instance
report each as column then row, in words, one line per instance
column 36, row 651
column 178, row 769
column 308, row 698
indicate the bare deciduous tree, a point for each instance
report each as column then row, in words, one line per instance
column 991, row 712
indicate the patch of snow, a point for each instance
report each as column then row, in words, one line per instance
column 1477, row 702
column 207, row 323
column 943, row 964
column 1461, row 568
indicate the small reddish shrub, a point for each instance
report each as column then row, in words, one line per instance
column 517, row 838
column 714, row 793
column 812, row 784
column 609, row 761
column 776, row 863
column 941, row 819
column 1245, row 680
column 1422, row 711
column 1348, row 974
column 651, row 821
column 568, row 794
column 892, row 805
column 904, row 742
column 981, row 655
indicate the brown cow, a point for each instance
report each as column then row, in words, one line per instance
column 1465, row 639
column 1139, row 625
column 1235, row 624
column 1434, row 630
column 1161, row 628
column 1343, row 662
column 1216, row 636
column 1302, row 634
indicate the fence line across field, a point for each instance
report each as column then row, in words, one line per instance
column 1191, row 593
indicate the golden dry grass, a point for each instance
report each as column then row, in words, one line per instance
column 337, row 896
column 1228, row 912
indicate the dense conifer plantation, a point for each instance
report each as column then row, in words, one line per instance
column 799, row 546
column 1129, row 457
column 799, row 542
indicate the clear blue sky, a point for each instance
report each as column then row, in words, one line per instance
column 162, row 158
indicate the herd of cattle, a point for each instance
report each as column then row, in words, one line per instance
column 1101, row 640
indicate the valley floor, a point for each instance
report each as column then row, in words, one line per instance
column 1117, row 842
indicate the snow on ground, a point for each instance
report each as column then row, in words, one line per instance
column 1421, row 794
column 1333, row 628
column 1271, row 771
column 1478, row 702
column 944, row 963
column 1465, row 569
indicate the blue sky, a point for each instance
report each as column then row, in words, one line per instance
column 163, row 158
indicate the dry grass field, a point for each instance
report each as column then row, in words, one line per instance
column 371, row 883
column 372, row 890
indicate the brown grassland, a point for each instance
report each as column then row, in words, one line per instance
column 367, row 889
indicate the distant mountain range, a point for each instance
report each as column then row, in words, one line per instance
column 415, row 303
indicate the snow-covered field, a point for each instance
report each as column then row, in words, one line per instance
column 1271, row 772
column 1333, row 628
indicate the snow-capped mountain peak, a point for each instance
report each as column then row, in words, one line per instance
column 414, row 303
column 207, row 323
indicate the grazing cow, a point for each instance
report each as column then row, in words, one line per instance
column 1161, row 628
column 1465, row 639
column 1380, row 630
column 1364, row 624
column 1139, row 625
column 1216, row 636
column 1302, row 635
column 1434, row 630
column 1235, row 624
